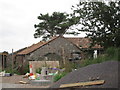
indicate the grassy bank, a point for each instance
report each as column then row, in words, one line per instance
column 110, row 54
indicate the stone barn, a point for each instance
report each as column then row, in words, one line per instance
column 57, row 49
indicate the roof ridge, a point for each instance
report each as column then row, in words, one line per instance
column 43, row 43
column 76, row 42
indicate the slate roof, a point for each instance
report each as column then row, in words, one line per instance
column 79, row 42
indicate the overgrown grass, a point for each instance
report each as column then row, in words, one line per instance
column 59, row 76
column 113, row 53
column 110, row 54
column 12, row 71
column 17, row 71
column 26, row 68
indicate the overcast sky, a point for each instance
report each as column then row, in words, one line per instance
column 17, row 19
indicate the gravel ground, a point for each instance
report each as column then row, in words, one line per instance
column 0, row 83
column 107, row 71
column 9, row 85
column 14, row 79
column 13, row 82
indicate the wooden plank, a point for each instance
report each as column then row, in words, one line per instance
column 22, row 82
column 83, row 83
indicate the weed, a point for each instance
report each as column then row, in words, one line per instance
column 38, row 70
column 59, row 76
column 111, row 53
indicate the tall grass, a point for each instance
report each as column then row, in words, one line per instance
column 59, row 76
column 111, row 53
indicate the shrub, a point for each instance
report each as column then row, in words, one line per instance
column 9, row 70
column 111, row 53
column 26, row 68
column 68, row 66
column 38, row 70
column 59, row 76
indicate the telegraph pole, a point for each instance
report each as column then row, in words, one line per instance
column 12, row 61
column 3, row 61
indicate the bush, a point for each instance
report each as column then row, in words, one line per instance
column 12, row 72
column 26, row 68
column 59, row 76
column 16, row 72
column 38, row 70
column 68, row 66
column 111, row 53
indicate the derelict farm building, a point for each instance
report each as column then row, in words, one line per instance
column 57, row 49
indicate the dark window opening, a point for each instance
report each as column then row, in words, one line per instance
column 52, row 56
column 75, row 56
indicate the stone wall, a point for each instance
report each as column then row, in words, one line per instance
column 60, row 46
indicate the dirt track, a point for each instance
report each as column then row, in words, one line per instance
column 13, row 82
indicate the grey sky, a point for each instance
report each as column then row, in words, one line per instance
column 17, row 19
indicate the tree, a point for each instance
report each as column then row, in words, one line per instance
column 52, row 25
column 101, row 20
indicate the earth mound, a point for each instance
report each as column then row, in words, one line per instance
column 107, row 71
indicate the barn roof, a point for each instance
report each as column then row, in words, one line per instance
column 83, row 42
column 79, row 42
column 34, row 47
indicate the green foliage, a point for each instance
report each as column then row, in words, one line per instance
column 75, row 65
column 52, row 25
column 38, row 70
column 113, row 53
column 59, row 76
column 68, row 66
column 9, row 70
column 110, row 54
column 26, row 68
column 16, row 72
column 101, row 21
